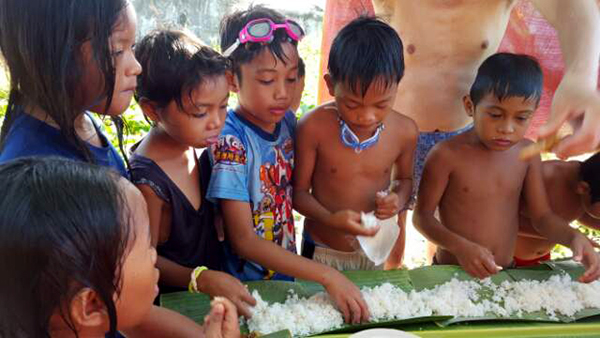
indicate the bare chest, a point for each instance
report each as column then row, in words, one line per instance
column 487, row 180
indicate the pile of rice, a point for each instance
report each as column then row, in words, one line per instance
column 305, row 316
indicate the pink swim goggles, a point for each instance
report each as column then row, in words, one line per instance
column 261, row 30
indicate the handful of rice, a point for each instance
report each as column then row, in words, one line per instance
column 305, row 316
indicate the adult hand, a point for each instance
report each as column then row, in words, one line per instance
column 578, row 102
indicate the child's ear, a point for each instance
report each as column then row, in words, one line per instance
column 150, row 109
column 469, row 106
column 88, row 311
column 330, row 84
column 234, row 84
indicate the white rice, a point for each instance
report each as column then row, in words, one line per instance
column 305, row 316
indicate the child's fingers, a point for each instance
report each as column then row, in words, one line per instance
column 242, row 308
column 355, row 309
column 490, row 266
column 343, row 307
column 212, row 327
column 364, row 310
column 592, row 264
column 247, row 297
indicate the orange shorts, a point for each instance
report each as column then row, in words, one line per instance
column 531, row 262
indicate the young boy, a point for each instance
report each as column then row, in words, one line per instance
column 476, row 178
column 253, row 159
column 351, row 149
column 573, row 190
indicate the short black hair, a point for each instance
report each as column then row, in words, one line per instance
column 301, row 67
column 364, row 51
column 508, row 75
column 232, row 24
column 589, row 172
column 174, row 63
column 63, row 227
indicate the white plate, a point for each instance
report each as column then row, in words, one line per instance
column 382, row 333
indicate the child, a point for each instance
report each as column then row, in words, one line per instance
column 297, row 96
column 253, row 159
column 76, row 244
column 66, row 58
column 573, row 190
column 357, row 138
column 183, row 90
column 476, row 178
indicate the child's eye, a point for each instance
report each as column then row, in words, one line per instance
column 198, row 115
column 117, row 53
column 495, row 115
column 292, row 80
column 265, row 82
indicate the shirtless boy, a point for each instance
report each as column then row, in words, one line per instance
column 446, row 40
column 476, row 178
column 573, row 190
column 352, row 148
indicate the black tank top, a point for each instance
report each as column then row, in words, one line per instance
column 193, row 239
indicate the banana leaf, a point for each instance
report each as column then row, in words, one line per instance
column 197, row 306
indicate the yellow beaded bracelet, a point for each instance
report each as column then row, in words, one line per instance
column 193, row 286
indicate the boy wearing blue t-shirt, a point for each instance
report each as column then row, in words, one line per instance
column 254, row 157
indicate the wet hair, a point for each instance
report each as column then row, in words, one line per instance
column 508, row 75
column 174, row 63
column 41, row 45
column 301, row 67
column 63, row 227
column 365, row 51
column 589, row 172
column 232, row 24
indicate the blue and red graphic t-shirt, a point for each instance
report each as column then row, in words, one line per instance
column 254, row 166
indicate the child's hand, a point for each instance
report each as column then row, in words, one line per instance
column 387, row 205
column 347, row 297
column 477, row 260
column 583, row 251
column 220, row 284
column 349, row 222
column 222, row 321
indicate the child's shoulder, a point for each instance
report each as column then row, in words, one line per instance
column 402, row 125
column 319, row 118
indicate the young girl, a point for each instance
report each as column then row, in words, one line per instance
column 184, row 92
column 78, row 259
column 66, row 59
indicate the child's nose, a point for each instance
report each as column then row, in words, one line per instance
column 506, row 127
column 281, row 90
column 153, row 256
column 215, row 121
column 136, row 68
column 367, row 117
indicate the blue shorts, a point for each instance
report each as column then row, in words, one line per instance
column 425, row 142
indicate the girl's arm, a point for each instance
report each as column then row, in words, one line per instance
column 213, row 283
column 240, row 232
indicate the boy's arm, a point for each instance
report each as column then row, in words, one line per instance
column 553, row 227
column 402, row 180
column 474, row 259
column 240, row 232
column 303, row 200
column 213, row 283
